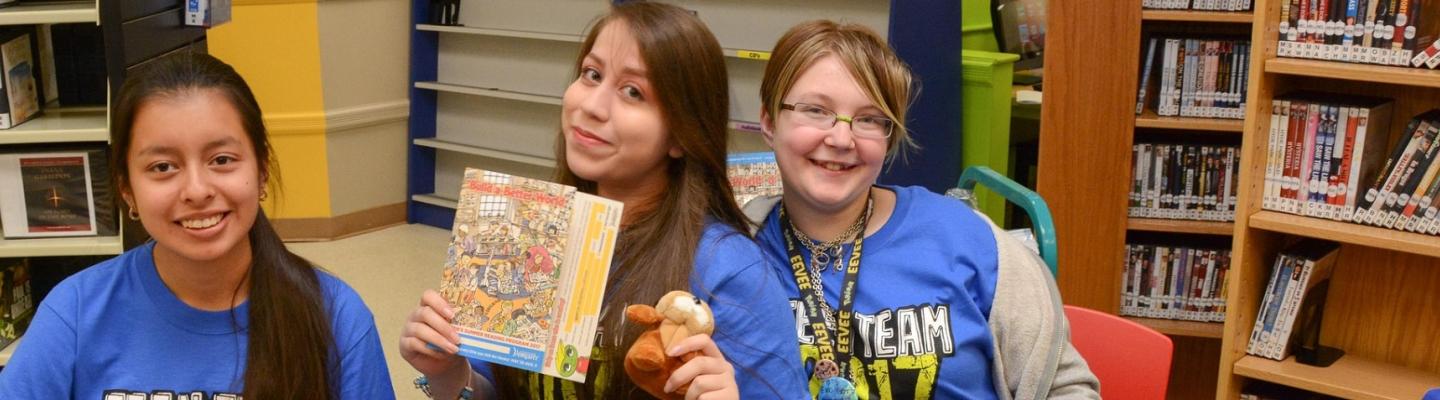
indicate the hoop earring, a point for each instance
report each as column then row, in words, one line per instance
column 263, row 194
column 134, row 215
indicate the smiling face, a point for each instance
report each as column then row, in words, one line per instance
column 614, row 131
column 193, row 177
column 826, row 170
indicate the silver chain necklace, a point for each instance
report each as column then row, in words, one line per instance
column 821, row 254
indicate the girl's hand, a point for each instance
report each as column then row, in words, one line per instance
column 710, row 376
column 429, row 343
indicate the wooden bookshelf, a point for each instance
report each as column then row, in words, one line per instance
column 1173, row 327
column 1345, row 232
column 1088, row 129
column 1232, row 17
column 1380, row 306
column 1350, row 377
column 1354, row 72
column 1150, row 120
column 1180, row 226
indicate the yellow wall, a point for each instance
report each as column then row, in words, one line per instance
column 275, row 45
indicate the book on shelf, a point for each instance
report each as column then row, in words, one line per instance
column 1180, row 181
column 1320, row 149
column 753, row 175
column 18, row 74
column 526, row 271
column 1171, row 282
column 1404, row 192
column 1198, row 77
column 1203, row 5
column 1298, row 271
column 49, row 191
column 17, row 305
column 1383, row 32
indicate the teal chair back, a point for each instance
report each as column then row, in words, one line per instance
column 1024, row 198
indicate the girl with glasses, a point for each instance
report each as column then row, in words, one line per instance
column 644, row 122
column 897, row 292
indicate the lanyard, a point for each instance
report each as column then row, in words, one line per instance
column 815, row 305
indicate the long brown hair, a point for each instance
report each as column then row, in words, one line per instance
column 656, row 253
column 884, row 78
column 290, row 350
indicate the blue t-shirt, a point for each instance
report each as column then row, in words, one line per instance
column 922, row 300
column 115, row 328
column 745, row 295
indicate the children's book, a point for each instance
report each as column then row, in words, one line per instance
column 753, row 175
column 526, row 271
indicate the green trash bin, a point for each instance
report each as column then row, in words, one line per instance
column 985, row 119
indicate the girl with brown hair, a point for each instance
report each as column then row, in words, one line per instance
column 900, row 292
column 644, row 123
column 214, row 304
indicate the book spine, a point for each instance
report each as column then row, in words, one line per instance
column 1293, row 151
column 1145, row 77
column 1372, row 192
column 1413, row 150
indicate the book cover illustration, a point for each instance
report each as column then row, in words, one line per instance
column 753, row 175
column 16, row 304
column 46, row 194
column 19, row 80
column 526, row 271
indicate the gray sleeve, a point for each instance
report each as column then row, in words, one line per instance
column 1033, row 355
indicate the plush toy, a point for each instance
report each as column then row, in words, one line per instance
column 677, row 316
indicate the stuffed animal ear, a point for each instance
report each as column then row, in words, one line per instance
column 643, row 314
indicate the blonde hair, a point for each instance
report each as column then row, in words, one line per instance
column 885, row 79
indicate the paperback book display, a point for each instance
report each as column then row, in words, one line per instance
column 1178, row 181
column 50, row 191
column 1207, row 5
column 1175, row 282
column 46, row 194
column 1297, row 272
column 1384, row 32
column 753, row 175
column 526, row 271
column 1192, row 77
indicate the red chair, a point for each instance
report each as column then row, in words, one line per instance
column 1131, row 360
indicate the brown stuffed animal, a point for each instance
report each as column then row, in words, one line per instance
column 677, row 316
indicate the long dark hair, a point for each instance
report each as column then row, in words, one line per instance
column 655, row 254
column 291, row 349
